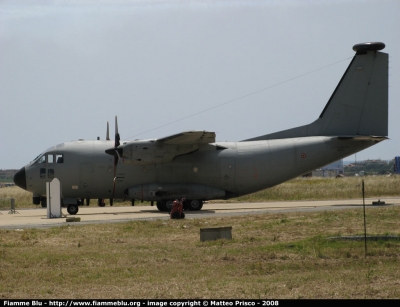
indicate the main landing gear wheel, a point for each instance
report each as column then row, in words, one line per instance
column 72, row 209
column 100, row 202
column 195, row 205
column 160, row 206
column 169, row 204
column 165, row 205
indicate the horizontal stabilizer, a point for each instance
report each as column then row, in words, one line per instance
column 363, row 138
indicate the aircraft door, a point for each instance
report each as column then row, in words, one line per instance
column 85, row 178
column 227, row 174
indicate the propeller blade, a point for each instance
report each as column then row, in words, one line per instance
column 116, row 155
column 116, row 144
column 115, row 152
column 108, row 132
column 115, row 177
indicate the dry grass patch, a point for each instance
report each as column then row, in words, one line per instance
column 270, row 256
column 328, row 188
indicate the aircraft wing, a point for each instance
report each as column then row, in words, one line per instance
column 189, row 137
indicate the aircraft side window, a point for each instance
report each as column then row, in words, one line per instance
column 42, row 159
column 50, row 158
column 59, row 158
column 50, row 173
column 42, row 173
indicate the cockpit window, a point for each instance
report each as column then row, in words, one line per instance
column 42, row 159
column 59, row 158
column 50, row 158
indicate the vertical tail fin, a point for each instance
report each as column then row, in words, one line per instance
column 359, row 104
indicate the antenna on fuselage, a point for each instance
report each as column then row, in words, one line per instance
column 108, row 132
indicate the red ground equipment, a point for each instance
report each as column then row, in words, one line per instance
column 177, row 209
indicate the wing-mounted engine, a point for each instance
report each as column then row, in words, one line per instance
column 164, row 150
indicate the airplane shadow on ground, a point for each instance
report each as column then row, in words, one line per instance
column 360, row 205
column 143, row 211
column 186, row 212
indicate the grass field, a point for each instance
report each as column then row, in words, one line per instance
column 270, row 256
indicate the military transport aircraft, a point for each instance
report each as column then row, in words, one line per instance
column 193, row 165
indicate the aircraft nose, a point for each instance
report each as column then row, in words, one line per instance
column 20, row 178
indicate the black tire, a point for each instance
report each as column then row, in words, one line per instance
column 36, row 200
column 195, row 204
column 100, row 202
column 161, row 207
column 72, row 209
column 168, row 205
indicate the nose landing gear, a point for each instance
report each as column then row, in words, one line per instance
column 72, row 209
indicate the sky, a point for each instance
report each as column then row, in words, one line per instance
column 239, row 68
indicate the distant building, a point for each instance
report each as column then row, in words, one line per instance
column 331, row 170
column 375, row 161
column 396, row 165
column 7, row 173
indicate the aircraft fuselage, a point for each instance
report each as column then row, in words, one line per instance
column 236, row 168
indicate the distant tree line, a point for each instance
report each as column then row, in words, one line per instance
column 369, row 167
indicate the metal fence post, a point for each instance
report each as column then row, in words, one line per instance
column 12, row 205
column 2, row 202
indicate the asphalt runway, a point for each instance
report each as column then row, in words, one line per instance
column 37, row 218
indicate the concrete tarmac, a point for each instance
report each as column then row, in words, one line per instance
column 37, row 218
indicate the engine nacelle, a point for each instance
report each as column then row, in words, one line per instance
column 160, row 191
